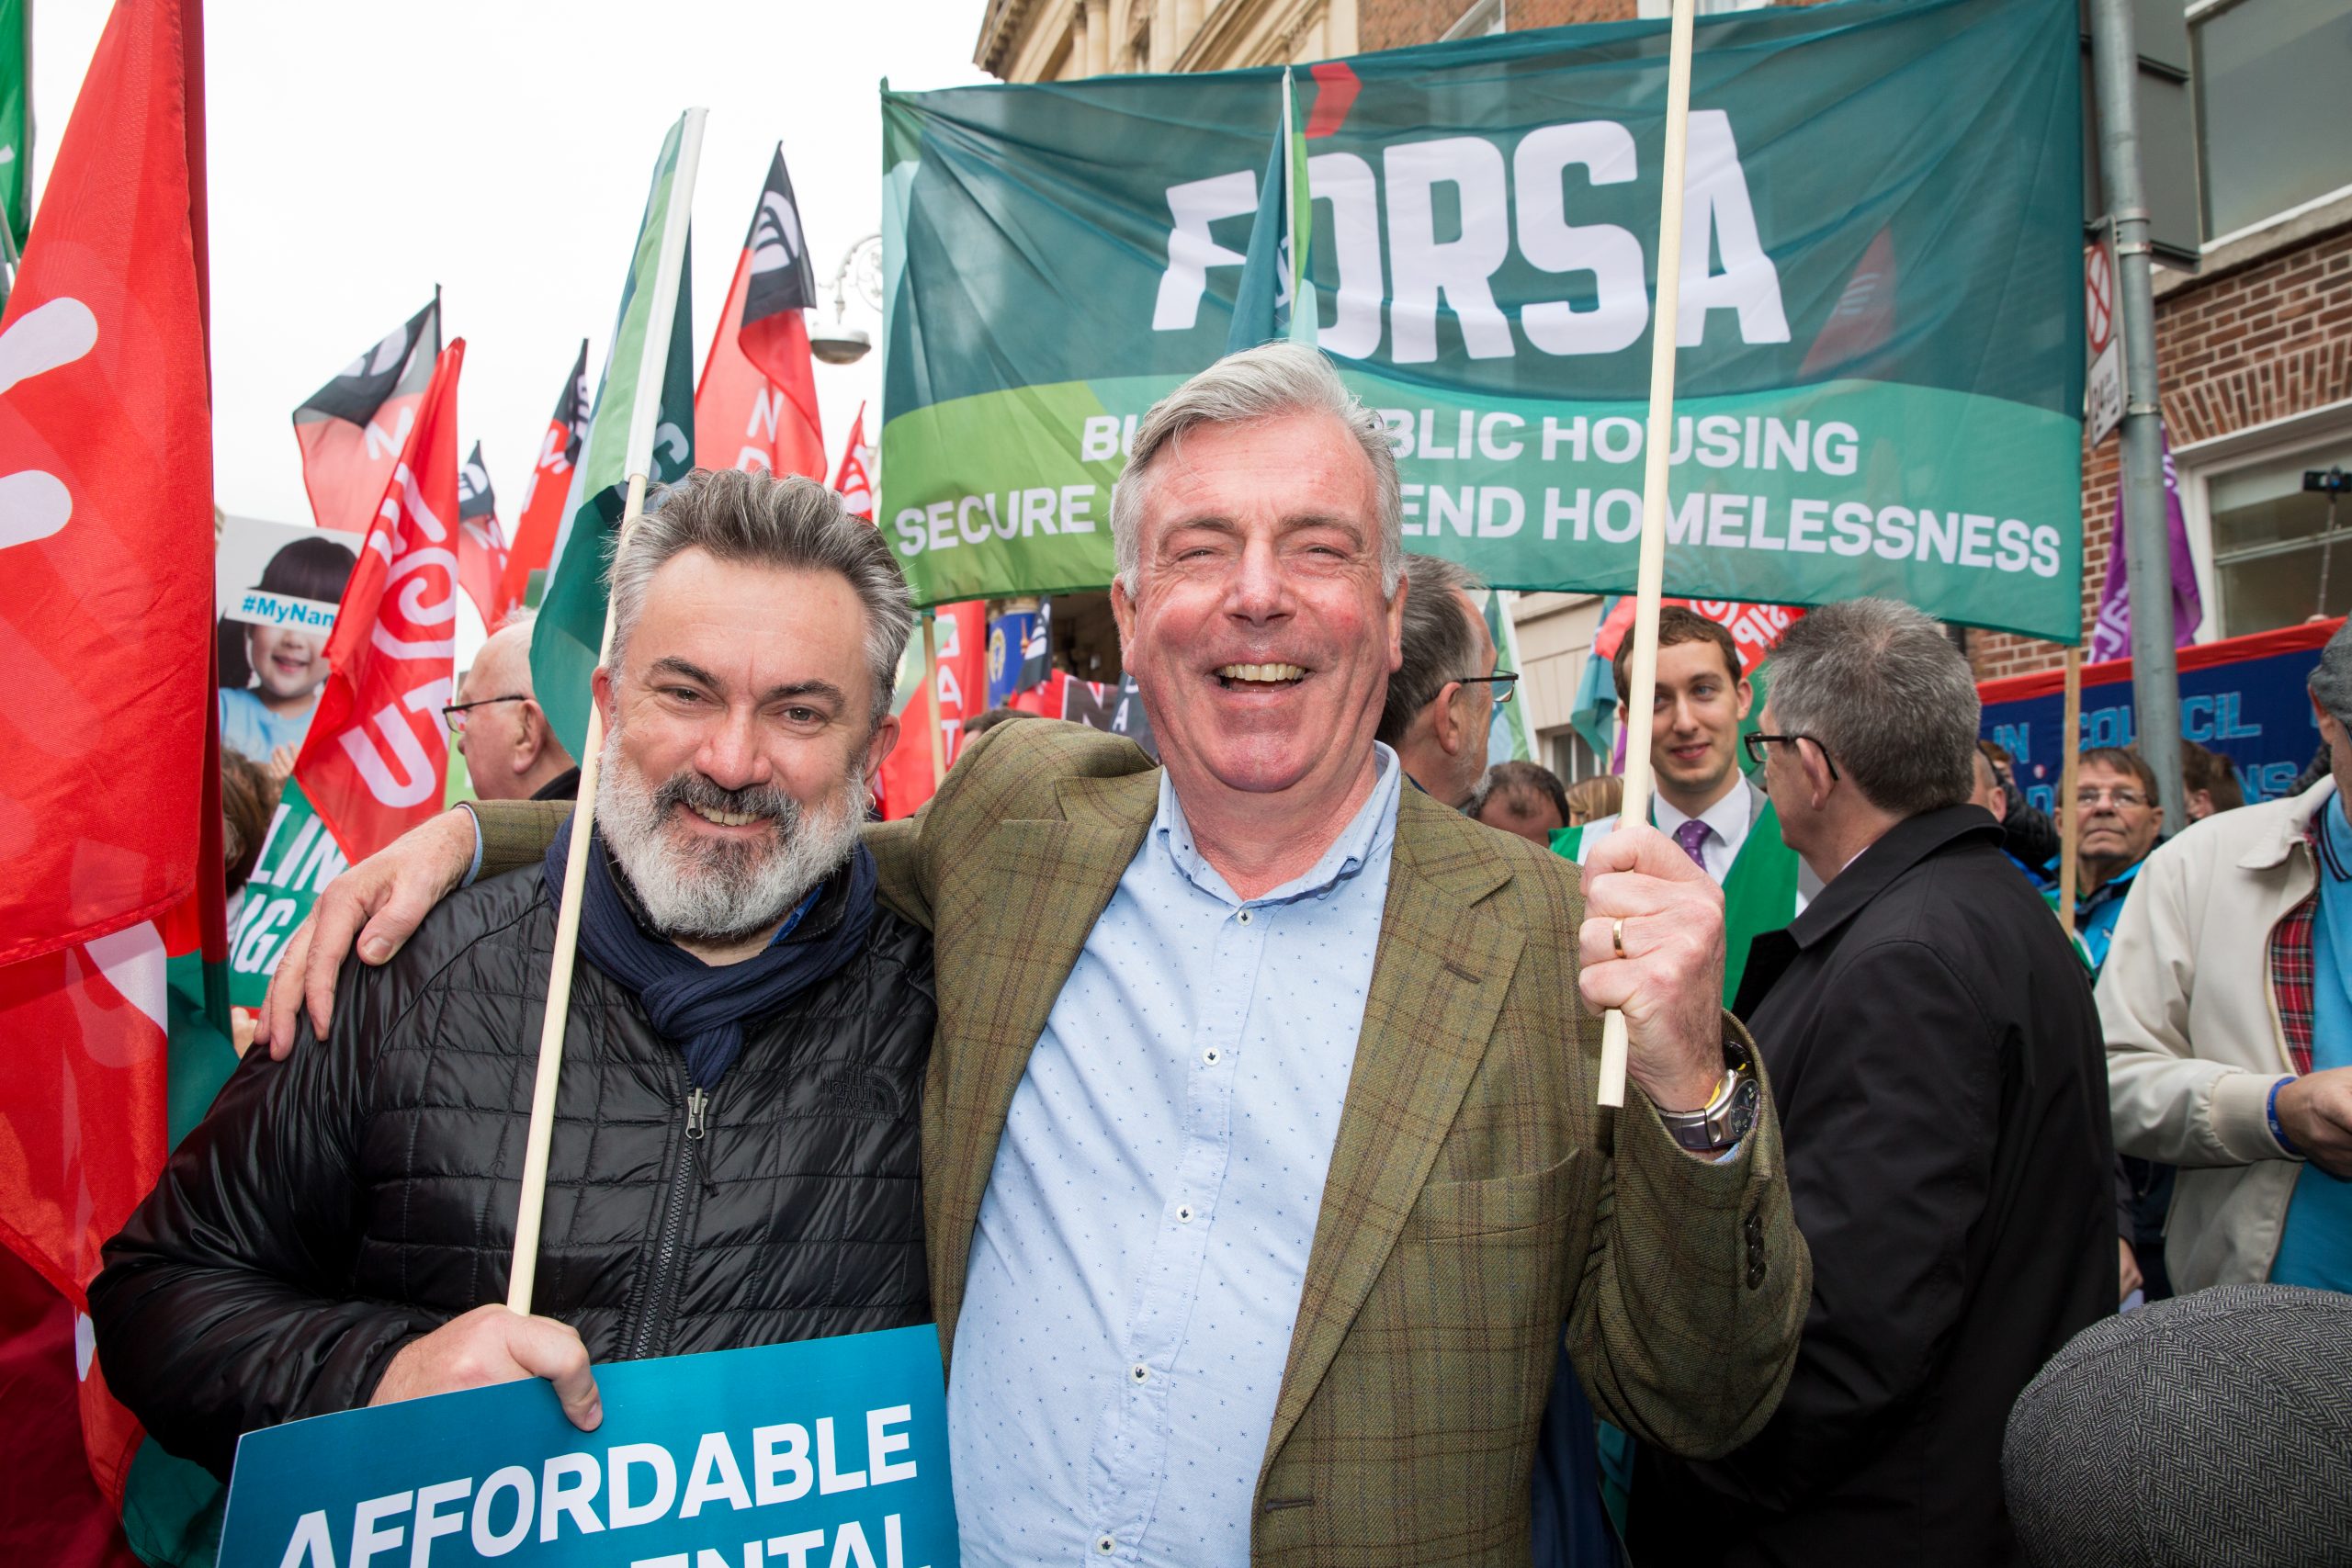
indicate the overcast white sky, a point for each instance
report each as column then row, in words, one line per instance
column 360, row 154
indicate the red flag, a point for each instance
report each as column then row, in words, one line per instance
column 105, row 519
column 855, row 481
column 482, row 544
column 551, row 481
column 378, row 752
column 756, row 405
column 1755, row 628
column 354, row 429
column 963, row 679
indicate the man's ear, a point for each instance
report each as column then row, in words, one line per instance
column 531, row 738
column 1747, row 692
column 1446, row 725
column 878, row 747
column 1817, row 782
column 600, row 686
column 1123, row 612
column 1395, row 612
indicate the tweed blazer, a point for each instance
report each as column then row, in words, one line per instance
column 1479, row 1206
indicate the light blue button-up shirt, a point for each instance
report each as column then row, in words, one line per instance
column 1142, row 1245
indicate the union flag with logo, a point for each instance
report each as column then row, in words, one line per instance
column 544, row 493
column 755, row 406
column 854, row 479
column 375, row 762
column 482, row 544
column 354, row 429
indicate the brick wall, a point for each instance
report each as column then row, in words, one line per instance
column 2241, row 349
column 1394, row 24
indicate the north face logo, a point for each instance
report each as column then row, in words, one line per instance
column 863, row 1091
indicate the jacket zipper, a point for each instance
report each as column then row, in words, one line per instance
column 661, row 1296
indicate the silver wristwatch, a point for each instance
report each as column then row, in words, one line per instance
column 1727, row 1118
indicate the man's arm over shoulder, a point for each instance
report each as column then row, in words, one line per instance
column 1011, row 771
column 517, row 833
column 222, row 1305
column 2168, row 1103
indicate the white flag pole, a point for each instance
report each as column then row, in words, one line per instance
column 638, row 459
column 1650, row 585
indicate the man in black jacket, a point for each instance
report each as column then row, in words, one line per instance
column 1937, row 1057
column 735, row 1159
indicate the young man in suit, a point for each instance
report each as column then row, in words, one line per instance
column 1704, row 803
column 1262, row 1174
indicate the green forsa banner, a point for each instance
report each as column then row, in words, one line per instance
column 1880, row 382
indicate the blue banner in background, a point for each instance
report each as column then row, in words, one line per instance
column 830, row 1453
column 2244, row 698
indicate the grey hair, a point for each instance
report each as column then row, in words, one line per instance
column 790, row 523
column 1883, row 691
column 1259, row 383
column 1436, row 639
column 2331, row 678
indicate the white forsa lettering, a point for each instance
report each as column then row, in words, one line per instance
column 1394, row 213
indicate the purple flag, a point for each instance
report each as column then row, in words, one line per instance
column 2111, row 637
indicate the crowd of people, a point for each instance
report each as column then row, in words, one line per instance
column 1235, row 1119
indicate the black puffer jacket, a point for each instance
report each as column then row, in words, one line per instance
column 336, row 1206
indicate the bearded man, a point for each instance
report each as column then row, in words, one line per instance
column 735, row 1159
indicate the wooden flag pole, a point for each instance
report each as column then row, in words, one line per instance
column 1650, row 585
column 2069, row 808
column 930, row 695
column 644, row 420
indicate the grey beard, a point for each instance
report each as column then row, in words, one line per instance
column 724, row 891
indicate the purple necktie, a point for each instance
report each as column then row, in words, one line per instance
column 1690, row 835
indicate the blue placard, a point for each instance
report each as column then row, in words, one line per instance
column 830, row 1453
column 2252, row 711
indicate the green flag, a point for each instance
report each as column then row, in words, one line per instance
column 1509, row 741
column 299, row 857
column 568, row 639
column 1276, row 298
column 15, row 117
column 1880, row 383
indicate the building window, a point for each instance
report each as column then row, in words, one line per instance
column 2269, row 536
column 1481, row 19
column 1571, row 758
column 2271, row 85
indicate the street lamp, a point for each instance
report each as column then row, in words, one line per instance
column 838, row 342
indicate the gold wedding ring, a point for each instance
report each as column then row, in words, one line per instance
column 1617, row 937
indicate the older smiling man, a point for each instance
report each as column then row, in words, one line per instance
column 1263, row 1174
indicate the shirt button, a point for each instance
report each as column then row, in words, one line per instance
column 1105, row 1545
column 1140, row 1373
column 1184, row 1215
column 1243, row 917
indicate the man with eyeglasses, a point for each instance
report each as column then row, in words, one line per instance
column 2115, row 790
column 1938, row 1057
column 511, row 753
column 1442, row 701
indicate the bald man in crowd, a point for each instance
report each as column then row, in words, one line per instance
column 511, row 753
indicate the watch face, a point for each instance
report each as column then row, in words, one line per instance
column 1744, row 1102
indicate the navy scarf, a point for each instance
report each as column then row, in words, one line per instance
column 700, row 1008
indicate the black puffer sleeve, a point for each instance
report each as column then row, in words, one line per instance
column 223, row 1306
